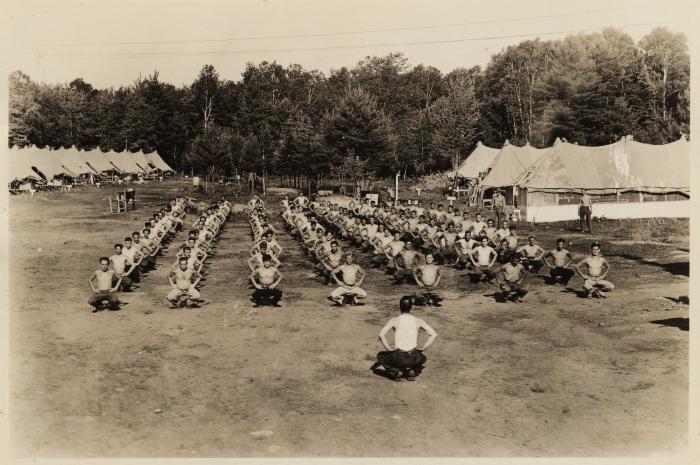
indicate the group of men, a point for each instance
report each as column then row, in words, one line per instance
column 332, row 263
column 264, row 258
column 136, row 255
column 186, row 272
column 411, row 242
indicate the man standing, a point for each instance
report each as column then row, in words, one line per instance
column 593, row 269
column 499, row 205
column 405, row 358
column 559, row 268
column 585, row 210
column 106, row 289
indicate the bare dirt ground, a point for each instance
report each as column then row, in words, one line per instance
column 557, row 375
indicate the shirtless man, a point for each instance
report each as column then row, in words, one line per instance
column 119, row 263
column 463, row 246
column 268, row 277
column 381, row 241
column 510, row 277
column 478, row 225
column 352, row 276
column 483, row 258
column 448, row 252
column 559, row 268
column 255, row 202
column 593, row 269
column 258, row 255
column 504, row 252
column 428, row 276
column 393, row 249
column 184, row 282
column 532, row 255
column 133, row 259
column 429, row 234
column 512, row 238
column 107, row 285
column 405, row 358
column 331, row 261
column 406, row 262
column 504, row 231
column 490, row 230
column 301, row 200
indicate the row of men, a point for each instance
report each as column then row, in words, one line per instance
column 494, row 254
column 186, row 273
column 264, row 258
column 136, row 255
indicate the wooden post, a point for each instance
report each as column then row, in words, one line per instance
column 396, row 190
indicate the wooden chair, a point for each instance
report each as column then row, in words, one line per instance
column 118, row 203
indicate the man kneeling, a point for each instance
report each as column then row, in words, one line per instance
column 268, row 277
column 406, row 358
column 352, row 276
column 510, row 277
column 184, row 282
column 107, row 285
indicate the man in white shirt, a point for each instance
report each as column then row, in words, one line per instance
column 405, row 359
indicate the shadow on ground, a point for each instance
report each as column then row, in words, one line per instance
column 681, row 323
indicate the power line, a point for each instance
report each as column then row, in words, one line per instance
column 366, row 31
column 334, row 47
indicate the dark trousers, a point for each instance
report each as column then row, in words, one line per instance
column 584, row 215
column 399, row 360
column 126, row 283
column 532, row 265
column 564, row 274
column 111, row 297
column 499, row 215
column 267, row 296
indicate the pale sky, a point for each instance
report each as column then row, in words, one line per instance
column 111, row 43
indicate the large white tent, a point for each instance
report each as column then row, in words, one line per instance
column 72, row 159
column 155, row 159
column 477, row 162
column 626, row 179
column 510, row 163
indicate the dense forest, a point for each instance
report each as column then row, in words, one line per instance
column 379, row 117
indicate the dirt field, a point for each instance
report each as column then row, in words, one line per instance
column 557, row 375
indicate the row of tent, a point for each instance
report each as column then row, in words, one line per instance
column 30, row 163
column 625, row 165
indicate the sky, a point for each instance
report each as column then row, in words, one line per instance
column 110, row 44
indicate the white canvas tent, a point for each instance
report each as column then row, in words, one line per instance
column 19, row 167
column 155, row 159
column 45, row 162
column 97, row 160
column 142, row 162
column 124, row 162
column 626, row 179
column 477, row 162
column 510, row 163
column 73, row 160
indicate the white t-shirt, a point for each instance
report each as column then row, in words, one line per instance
column 406, row 332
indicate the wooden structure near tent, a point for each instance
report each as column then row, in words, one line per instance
column 122, row 201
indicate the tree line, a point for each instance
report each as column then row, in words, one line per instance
column 378, row 117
